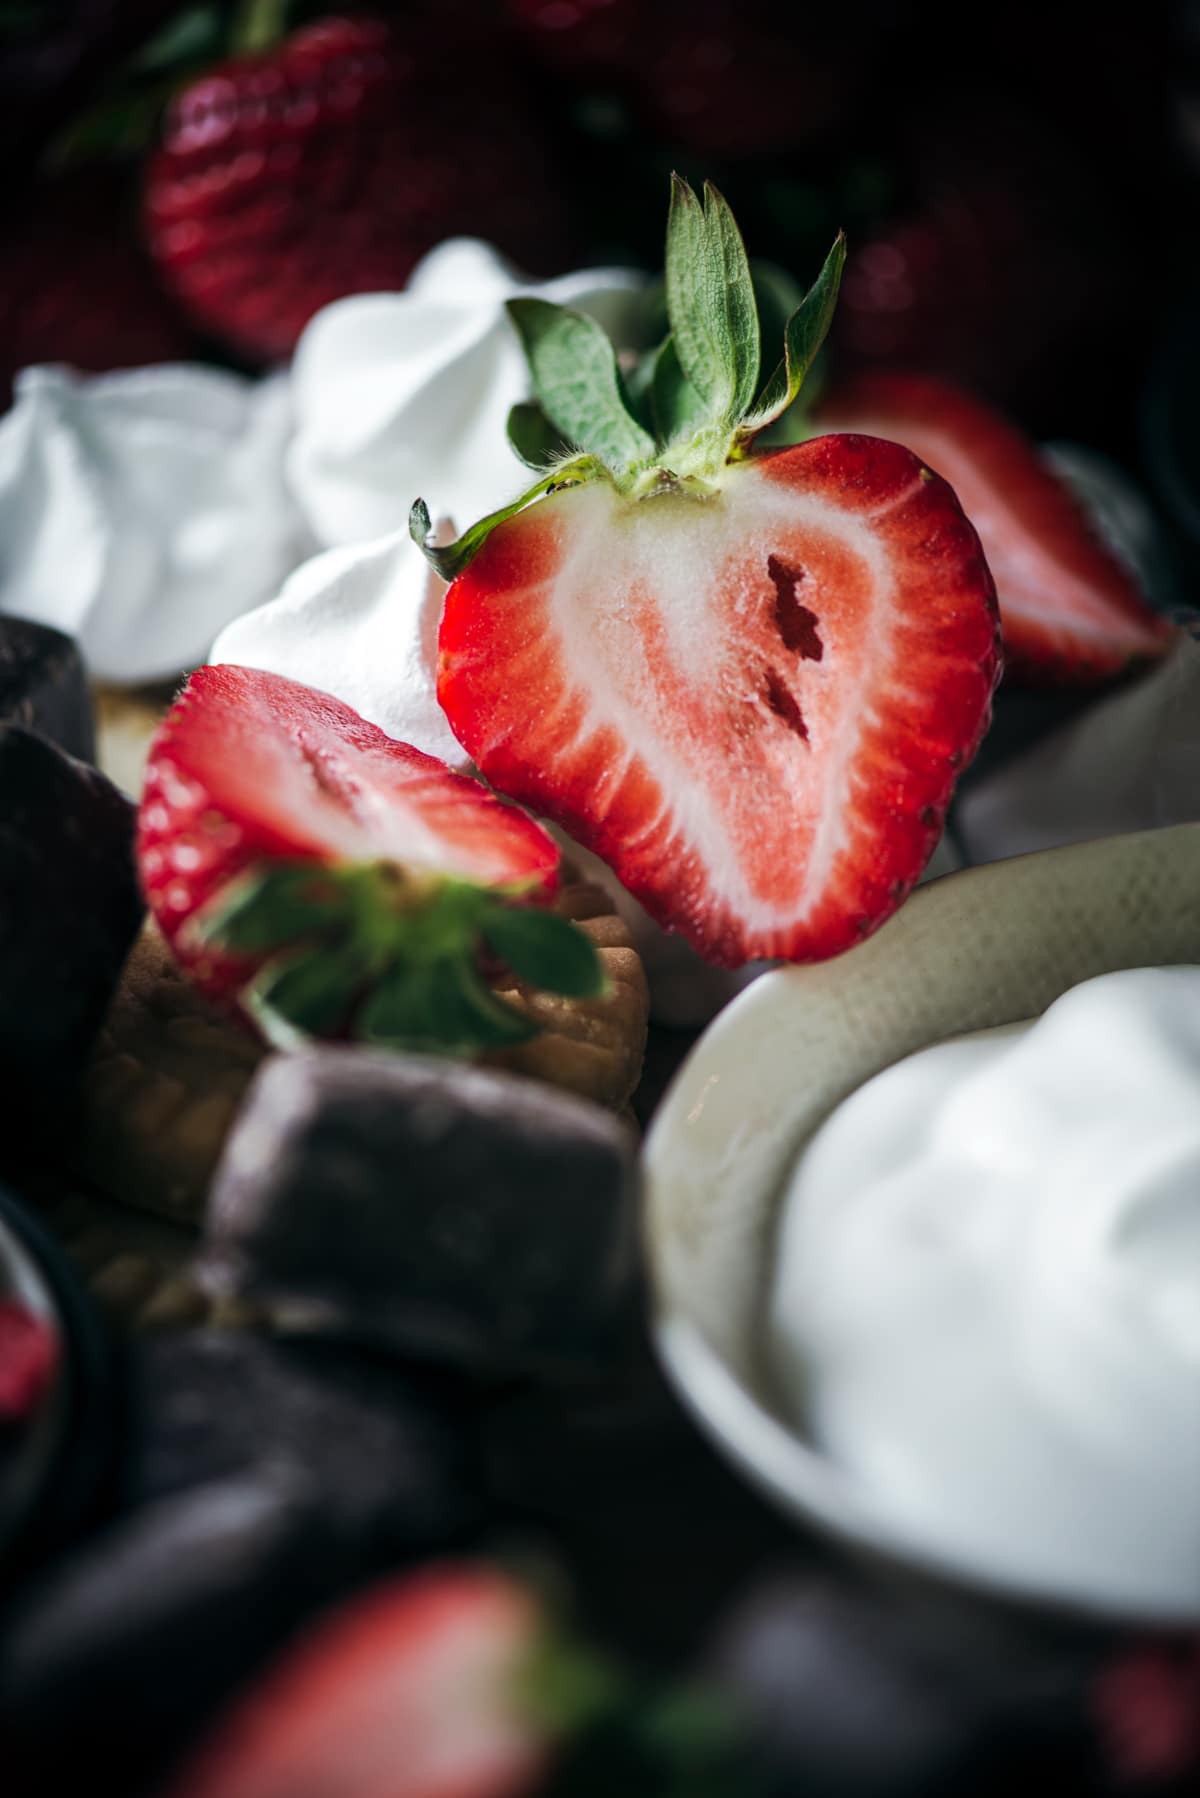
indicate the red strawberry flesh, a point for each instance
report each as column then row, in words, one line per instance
column 754, row 706
column 410, row 1692
column 250, row 767
column 1070, row 609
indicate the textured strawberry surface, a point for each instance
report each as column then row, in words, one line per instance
column 249, row 766
column 752, row 707
column 1070, row 609
column 407, row 1693
column 329, row 166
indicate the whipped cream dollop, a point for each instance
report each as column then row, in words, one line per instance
column 140, row 511
column 406, row 395
column 359, row 622
column 987, row 1295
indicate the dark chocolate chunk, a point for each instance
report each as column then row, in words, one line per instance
column 850, row 1690
column 390, row 1455
column 43, row 686
column 450, row 1212
column 115, row 1657
column 69, row 911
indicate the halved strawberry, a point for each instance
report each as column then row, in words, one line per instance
column 748, row 682
column 1071, row 610
column 335, row 880
column 410, row 1692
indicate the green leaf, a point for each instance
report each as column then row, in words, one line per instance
column 497, row 1023
column 710, row 300
column 270, row 905
column 194, row 36
column 534, row 439
column 777, row 295
column 313, row 992
column 678, row 409
column 546, row 950
column 402, row 1009
column 575, row 376
column 806, row 332
column 639, row 389
column 442, row 1006
column 451, row 560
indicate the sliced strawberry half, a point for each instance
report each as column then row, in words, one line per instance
column 1071, row 610
column 327, row 876
column 410, row 1692
column 753, row 704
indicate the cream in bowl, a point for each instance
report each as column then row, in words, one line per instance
column 924, row 1234
column 986, row 1299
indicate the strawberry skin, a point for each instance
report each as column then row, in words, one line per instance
column 408, row 1692
column 28, row 1358
column 1071, row 611
column 249, row 767
column 329, row 166
column 754, row 707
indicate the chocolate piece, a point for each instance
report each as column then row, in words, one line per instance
column 115, row 1657
column 388, row 1456
column 69, row 910
column 43, row 686
column 447, row 1211
column 851, row 1690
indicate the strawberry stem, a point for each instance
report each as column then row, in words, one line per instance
column 258, row 25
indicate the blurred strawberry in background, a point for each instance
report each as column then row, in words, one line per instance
column 330, row 162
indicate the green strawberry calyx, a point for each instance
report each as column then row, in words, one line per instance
column 695, row 404
column 374, row 953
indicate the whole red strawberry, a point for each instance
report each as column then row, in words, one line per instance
column 586, row 39
column 1001, row 266
column 329, row 165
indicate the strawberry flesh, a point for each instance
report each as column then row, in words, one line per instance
column 753, row 707
column 250, row 767
column 1071, row 610
column 408, row 1692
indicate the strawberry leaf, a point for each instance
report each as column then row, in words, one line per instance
column 271, row 905
column 545, row 950
column 679, row 412
column 806, row 332
column 450, row 560
column 533, row 439
column 710, row 301
column 313, row 992
column 575, row 376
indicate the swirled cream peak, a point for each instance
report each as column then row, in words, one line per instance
column 400, row 395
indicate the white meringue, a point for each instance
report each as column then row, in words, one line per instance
column 141, row 511
column 406, row 395
column 359, row 622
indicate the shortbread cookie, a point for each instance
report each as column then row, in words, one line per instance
column 170, row 1070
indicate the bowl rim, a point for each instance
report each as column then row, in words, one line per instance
column 789, row 1470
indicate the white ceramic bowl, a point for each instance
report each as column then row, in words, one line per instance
column 988, row 946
